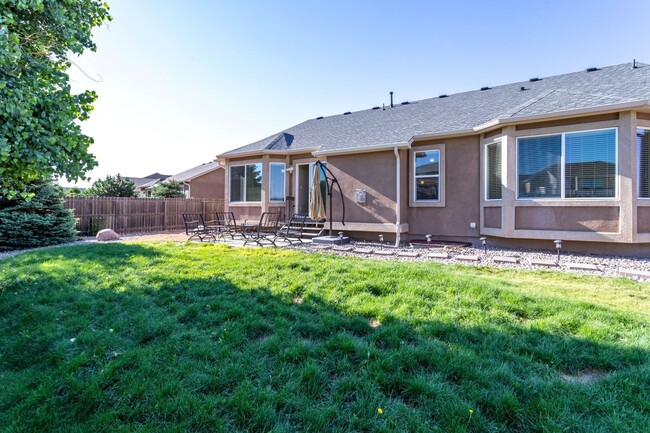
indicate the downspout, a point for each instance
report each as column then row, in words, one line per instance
column 398, row 198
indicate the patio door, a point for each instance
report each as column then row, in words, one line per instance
column 303, row 187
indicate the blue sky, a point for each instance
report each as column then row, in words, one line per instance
column 184, row 81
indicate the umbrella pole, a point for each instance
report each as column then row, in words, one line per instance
column 329, row 195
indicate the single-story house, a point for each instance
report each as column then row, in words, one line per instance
column 563, row 157
column 203, row 181
column 143, row 185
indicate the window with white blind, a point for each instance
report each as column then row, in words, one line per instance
column 570, row 165
column 643, row 156
column 427, row 176
column 538, row 166
column 493, row 171
column 590, row 164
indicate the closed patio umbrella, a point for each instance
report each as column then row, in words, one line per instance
column 316, row 208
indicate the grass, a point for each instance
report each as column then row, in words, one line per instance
column 161, row 337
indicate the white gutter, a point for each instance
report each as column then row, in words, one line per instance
column 611, row 108
column 398, row 198
column 365, row 149
column 460, row 133
column 229, row 155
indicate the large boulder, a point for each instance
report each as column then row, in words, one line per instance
column 106, row 235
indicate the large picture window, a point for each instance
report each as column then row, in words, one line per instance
column 643, row 155
column 493, row 171
column 246, row 183
column 571, row 165
column 276, row 182
column 427, row 175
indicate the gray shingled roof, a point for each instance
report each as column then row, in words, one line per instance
column 140, row 181
column 195, row 172
column 463, row 111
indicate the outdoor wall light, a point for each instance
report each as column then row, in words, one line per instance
column 484, row 243
column 558, row 247
column 288, row 170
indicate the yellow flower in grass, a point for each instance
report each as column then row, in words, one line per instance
column 380, row 410
column 471, row 411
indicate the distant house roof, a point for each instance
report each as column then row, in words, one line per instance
column 468, row 112
column 138, row 181
column 145, row 182
column 197, row 171
column 158, row 176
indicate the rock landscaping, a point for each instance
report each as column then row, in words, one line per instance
column 637, row 268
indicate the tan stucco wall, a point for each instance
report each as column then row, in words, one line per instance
column 566, row 122
column 492, row 217
column 643, row 219
column 461, row 191
column 242, row 213
column 372, row 172
column 210, row 185
column 580, row 219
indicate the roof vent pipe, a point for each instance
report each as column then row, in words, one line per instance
column 391, row 99
column 634, row 66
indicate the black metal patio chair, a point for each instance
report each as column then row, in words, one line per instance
column 227, row 225
column 265, row 230
column 292, row 230
column 195, row 227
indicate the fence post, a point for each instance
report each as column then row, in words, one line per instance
column 114, row 216
column 164, row 218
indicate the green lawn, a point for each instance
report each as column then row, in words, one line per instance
column 162, row 337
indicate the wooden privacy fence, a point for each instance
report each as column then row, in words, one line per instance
column 128, row 215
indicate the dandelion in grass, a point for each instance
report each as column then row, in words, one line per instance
column 471, row 412
column 380, row 410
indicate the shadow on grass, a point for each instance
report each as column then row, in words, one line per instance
column 101, row 347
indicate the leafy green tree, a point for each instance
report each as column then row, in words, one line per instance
column 112, row 186
column 168, row 189
column 39, row 116
column 74, row 192
column 40, row 221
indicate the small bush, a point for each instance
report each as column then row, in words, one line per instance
column 169, row 188
column 38, row 221
column 96, row 224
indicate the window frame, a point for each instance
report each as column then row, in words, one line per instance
column 245, row 201
column 638, row 164
column 415, row 176
column 562, row 196
column 498, row 141
column 284, row 182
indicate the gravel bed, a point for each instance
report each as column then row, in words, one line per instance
column 606, row 265
column 5, row 254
